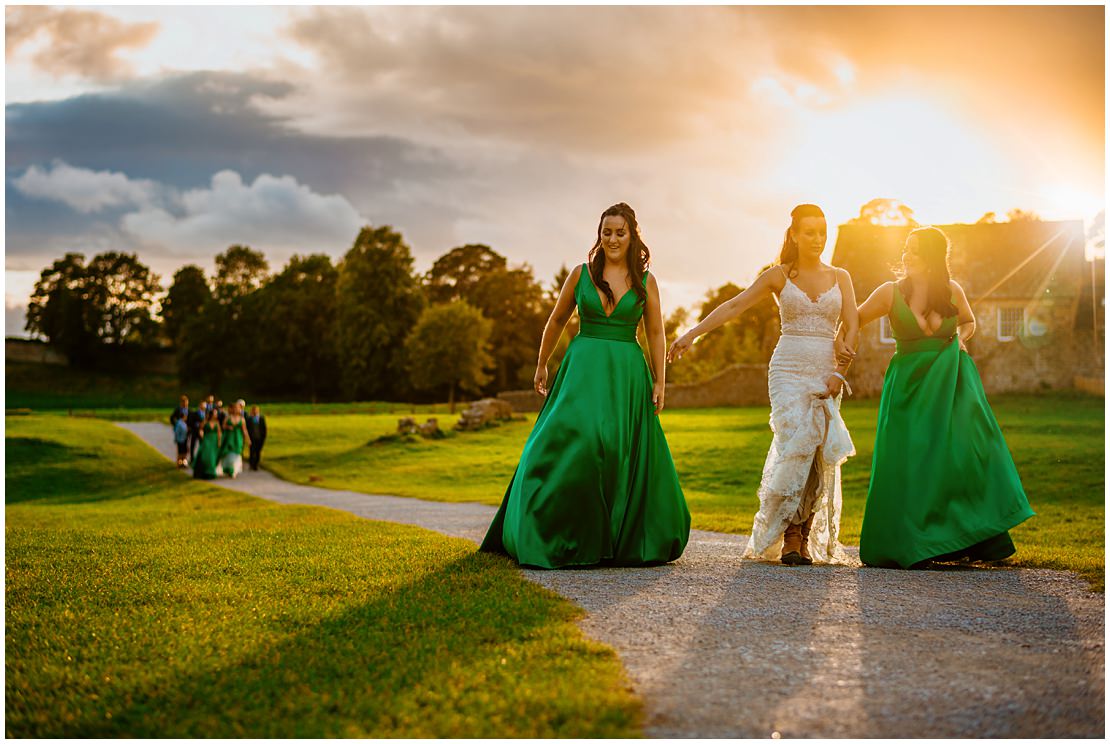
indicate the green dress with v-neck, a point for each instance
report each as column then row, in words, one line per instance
column 595, row 484
column 943, row 483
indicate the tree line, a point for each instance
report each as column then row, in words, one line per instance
column 364, row 328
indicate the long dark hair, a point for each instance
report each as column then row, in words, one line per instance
column 934, row 248
column 788, row 256
column 638, row 257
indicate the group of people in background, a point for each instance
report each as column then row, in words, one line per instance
column 211, row 439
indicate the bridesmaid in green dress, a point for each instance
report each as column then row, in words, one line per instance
column 943, row 484
column 596, row 484
column 208, row 452
column 234, row 438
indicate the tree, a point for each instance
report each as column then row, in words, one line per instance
column 884, row 212
column 121, row 291
column 296, row 332
column 186, row 297
column 83, row 308
column 509, row 297
column 58, row 309
column 457, row 273
column 378, row 300
column 1022, row 215
column 447, row 348
column 239, row 271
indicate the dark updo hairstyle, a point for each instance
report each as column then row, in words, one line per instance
column 788, row 256
column 638, row 257
column 933, row 247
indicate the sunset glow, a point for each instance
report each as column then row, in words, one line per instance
column 340, row 116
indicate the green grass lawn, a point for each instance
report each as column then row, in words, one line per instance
column 141, row 603
column 1056, row 439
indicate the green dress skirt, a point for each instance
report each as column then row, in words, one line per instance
column 596, row 484
column 231, row 449
column 208, row 453
column 943, row 483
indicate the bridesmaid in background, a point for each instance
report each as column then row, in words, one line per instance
column 596, row 483
column 208, row 451
column 943, row 484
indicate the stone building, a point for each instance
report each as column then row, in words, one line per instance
column 1029, row 285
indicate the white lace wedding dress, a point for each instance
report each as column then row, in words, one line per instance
column 810, row 438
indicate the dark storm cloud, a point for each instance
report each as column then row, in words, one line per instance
column 182, row 130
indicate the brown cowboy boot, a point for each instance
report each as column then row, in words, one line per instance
column 803, row 550
column 791, row 545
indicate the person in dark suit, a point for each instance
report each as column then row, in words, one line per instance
column 194, row 421
column 221, row 414
column 182, row 410
column 256, row 430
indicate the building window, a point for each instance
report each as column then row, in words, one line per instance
column 1011, row 323
column 886, row 333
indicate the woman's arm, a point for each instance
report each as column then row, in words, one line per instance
column 564, row 308
column 965, row 317
column 770, row 281
column 246, row 436
column 848, row 332
column 877, row 305
column 657, row 343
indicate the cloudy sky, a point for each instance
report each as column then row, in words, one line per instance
column 290, row 127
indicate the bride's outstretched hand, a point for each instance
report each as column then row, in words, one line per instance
column 540, row 381
column 680, row 346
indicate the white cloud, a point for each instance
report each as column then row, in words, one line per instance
column 273, row 212
column 85, row 190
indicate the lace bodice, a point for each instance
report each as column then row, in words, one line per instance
column 801, row 316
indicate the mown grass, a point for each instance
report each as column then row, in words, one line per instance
column 1056, row 440
column 142, row 603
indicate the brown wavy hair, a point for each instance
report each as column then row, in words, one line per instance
column 638, row 257
column 788, row 256
column 934, row 248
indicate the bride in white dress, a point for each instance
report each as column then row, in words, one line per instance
column 799, row 497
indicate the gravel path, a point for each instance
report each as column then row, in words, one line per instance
column 720, row 648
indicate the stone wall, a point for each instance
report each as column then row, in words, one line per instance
column 37, row 352
column 145, row 361
column 1020, row 365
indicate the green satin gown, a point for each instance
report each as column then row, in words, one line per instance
column 208, row 453
column 232, row 444
column 596, row 484
column 943, row 483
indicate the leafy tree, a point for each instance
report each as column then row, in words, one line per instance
column 1022, row 215
column 556, row 287
column 186, row 297
column 296, row 349
column 58, row 309
column 82, row 308
column 239, row 271
column 456, row 274
column 121, row 291
column 447, row 348
column 509, row 297
column 884, row 212
column 378, row 300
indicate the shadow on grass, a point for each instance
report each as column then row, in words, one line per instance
column 50, row 471
column 420, row 661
